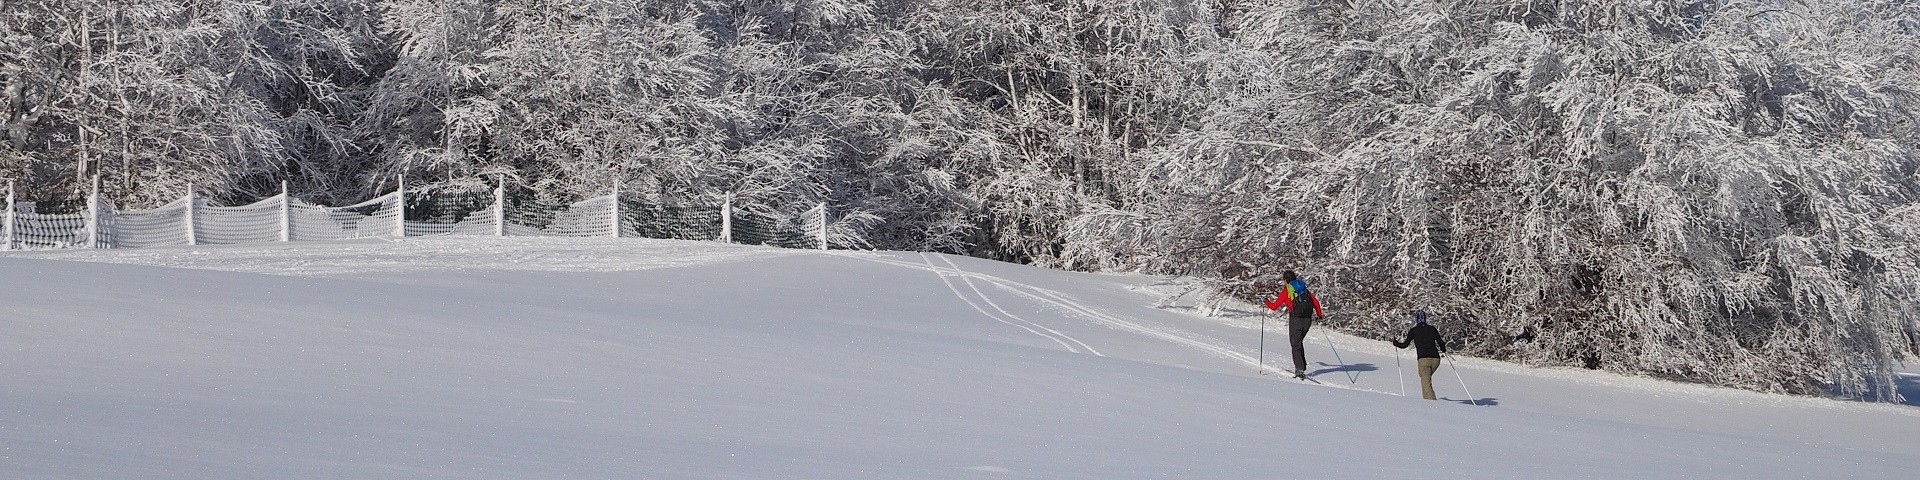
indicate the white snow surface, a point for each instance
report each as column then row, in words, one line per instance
column 520, row 358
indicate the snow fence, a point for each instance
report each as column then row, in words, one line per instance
column 192, row 220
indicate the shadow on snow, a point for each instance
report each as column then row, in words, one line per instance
column 1908, row 385
column 1355, row 367
column 1484, row 402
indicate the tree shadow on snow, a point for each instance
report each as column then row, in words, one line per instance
column 1484, row 402
column 1908, row 384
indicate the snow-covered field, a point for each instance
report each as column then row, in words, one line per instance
column 624, row 358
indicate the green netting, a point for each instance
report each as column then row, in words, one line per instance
column 659, row 221
column 63, row 206
column 448, row 206
column 524, row 208
column 364, row 210
column 762, row 229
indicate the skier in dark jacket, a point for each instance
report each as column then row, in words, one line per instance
column 1302, row 309
column 1428, row 346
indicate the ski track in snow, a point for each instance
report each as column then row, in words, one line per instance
column 1124, row 327
column 1024, row 324
column 1066, row 303
column 454, row 253
column 557, row 254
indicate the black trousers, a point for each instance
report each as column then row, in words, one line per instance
column 1298, row 337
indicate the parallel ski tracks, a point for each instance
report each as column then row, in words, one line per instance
column 1037, row 329
column 1059, row 301
column 1065, row 303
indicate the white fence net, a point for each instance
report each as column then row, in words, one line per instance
column 194, row 221
column 34, row 230
column 162, row 226
column 379, row 217
column 593, row 217
column 255, row 223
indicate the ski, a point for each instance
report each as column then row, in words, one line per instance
column 1302, row 377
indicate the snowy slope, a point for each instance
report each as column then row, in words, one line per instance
column 625, row 358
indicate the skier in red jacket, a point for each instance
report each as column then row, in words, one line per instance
column 1302, row 309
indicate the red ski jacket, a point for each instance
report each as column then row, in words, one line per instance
column 1285, row 298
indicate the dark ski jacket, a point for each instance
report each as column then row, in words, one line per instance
column 1426, row 340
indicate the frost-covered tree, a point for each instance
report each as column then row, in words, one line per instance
column 1716, row 191
column 155, row 95
column 311, row 63
column 419, row 115
column 582, row 96
column 1722, row 191
column 1074, row 86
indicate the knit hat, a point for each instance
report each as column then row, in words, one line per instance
column 1419, row 316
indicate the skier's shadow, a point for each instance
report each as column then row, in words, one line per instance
column 1484, row 402
column 1355, row 367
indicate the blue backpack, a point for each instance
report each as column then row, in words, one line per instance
column 1302, row 300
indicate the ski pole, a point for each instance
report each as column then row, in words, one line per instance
column 1400, row 374
column 1263, row 343
column 1351, row 378
column 1463, row 382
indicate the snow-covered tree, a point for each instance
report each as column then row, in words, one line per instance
column 156, row 95
column 1707, row 190
column 1722, row 191
column 418, row 117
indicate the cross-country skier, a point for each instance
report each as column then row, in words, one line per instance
column 1302, row 309
column 1428, row 345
